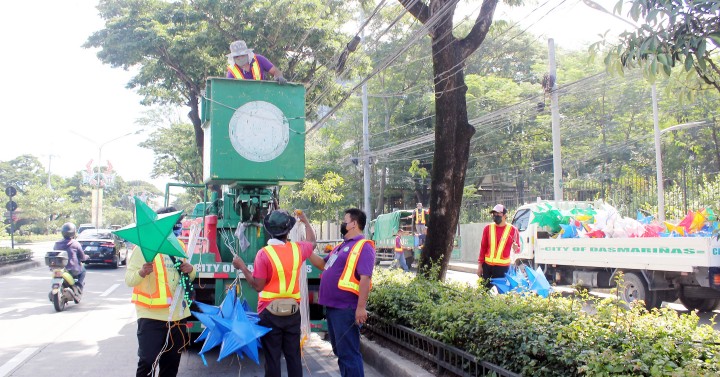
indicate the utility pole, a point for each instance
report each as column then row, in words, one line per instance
column 366, row 154
column 50, row 157
column 555, row 112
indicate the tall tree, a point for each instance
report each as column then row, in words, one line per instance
column 452, row 129
column 175, row 153
column 21, row 172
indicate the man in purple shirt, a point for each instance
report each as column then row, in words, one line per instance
column 75, row 252
column 344, row 295
column 244, row 64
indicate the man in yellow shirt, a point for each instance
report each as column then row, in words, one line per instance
column 154, row 285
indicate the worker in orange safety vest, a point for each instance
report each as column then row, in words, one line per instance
column 244, row 64
column 154, row 284
column 497, row 240
column 276, row 276
column 344, row 288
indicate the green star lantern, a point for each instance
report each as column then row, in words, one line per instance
column 152, row 233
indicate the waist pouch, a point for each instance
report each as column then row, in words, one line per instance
column 283, row 307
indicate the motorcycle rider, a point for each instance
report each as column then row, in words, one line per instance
column 75, row 253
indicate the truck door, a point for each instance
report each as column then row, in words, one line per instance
column 521, row 221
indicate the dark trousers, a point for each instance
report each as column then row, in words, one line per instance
column 283, row 338
column 345, row 340
column 80, row 277
column 151, row 336
column 490, row 272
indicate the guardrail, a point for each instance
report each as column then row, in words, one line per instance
column 445, row 357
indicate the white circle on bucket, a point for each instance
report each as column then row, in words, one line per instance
column 259, row 131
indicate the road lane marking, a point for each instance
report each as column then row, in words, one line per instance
column 109, row 290
column 13, row 363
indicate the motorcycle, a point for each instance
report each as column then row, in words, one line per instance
column 64, row 286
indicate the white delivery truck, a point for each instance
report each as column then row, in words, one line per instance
column 655, row 269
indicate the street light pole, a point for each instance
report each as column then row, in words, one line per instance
column 98, row 193
column 658, row 158
column 658, row 154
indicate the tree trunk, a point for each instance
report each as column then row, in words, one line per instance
column 194, row 116
column 452, row 129
column 452, row 139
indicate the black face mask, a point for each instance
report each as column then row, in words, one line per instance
column 497, row 219
column 343, row 229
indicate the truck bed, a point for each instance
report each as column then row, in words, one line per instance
column 679, row 254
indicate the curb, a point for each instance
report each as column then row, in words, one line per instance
column 388, row 362
column 461, row 268
column 15, row 267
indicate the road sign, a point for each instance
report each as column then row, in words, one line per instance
column 10, row 191
column 11, row 206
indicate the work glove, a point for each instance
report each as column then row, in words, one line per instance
column 281, row 80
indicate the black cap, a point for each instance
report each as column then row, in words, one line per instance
column 278, row 223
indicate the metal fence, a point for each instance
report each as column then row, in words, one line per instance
column 684, row 192
column 445, row 357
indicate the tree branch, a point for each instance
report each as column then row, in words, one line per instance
column 475, row 38
column 417, row 8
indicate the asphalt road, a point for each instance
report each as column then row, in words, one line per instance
column 97, row 336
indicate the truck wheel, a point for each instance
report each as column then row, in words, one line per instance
column 700, row 304
column 635, row 288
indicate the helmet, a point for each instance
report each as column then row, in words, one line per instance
column 278, row 223
column 68, row 231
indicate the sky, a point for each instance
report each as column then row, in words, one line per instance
column 62, row 103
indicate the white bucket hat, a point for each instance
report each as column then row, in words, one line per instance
column 238, row 48
column 499, row 208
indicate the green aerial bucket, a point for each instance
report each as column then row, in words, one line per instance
column 254, row 132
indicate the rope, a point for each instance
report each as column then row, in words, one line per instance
column 170, row 344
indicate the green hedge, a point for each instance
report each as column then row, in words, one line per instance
column 534, row 336
column 8, row 255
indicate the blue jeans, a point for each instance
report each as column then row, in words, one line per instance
column 80, row 276
column 345, row 340
column 400, row 257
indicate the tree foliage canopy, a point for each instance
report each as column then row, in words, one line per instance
column 685, row 33
column 175, row 46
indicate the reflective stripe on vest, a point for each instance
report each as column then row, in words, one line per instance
column 277, row 287
column 254, row 69
column 398, row 248
column 419, row 216
column 348, row 282
column 496, row 250
column 161, row 297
